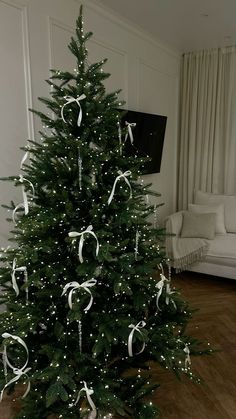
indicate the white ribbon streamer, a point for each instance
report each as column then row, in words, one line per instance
column 93, row 179
column 89, row 392
column 147, row 199
column 25, row 203
column 80, row 169
column 15, row 210
column 160, row 266
column 138, row 234
column 160, row 285
column 92, row 414
column 13, row 277
column 76, row 286
column 70, row 99
column 155, row 220
column 187, row 358
column 136, row 328
column 121, row 176
column 25, row 199
column 120, row 138
column 168, row 293
column 80, row 335
column 24, row 158
column 19, row 372
column 4, row 361
column 129, row 133
column 75, row 234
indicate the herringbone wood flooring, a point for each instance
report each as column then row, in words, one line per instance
column 215, row 322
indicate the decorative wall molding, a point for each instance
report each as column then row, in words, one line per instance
column 119, row 52
column 57, row 23
column 22, row 7
column 130, row 26
column 143, row 67
column 71, row 30
column 18, row 4
column 27, row 71
column 155, row 67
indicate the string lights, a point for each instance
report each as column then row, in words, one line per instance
column 87, row 237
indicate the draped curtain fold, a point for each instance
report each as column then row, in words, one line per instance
column 207, row 135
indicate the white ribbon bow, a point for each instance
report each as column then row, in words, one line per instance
column 25, row 203
column 138, row 326
column 160, row 285
column 24, row 158
column 70, row 99
column 13, row 277
column 19, row 372
column 89, row 392
column 187, row 358
column 129, row 133
column 76, row 286
column 124, row 176
column 75, row 234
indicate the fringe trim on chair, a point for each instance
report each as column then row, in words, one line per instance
column 184, row 262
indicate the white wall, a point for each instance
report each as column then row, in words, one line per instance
column 33, row 38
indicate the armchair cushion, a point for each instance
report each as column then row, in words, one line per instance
column 217, row 209
column 229, row 202
column 198, row 225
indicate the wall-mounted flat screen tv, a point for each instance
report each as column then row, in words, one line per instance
column 148, row 134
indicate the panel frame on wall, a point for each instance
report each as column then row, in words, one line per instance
column 13, row 167
column 118, row 51
column 22, row 6
column 94, row 40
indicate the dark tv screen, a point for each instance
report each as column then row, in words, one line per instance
column 148, row 135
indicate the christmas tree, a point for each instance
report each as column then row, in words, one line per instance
column 88, row 302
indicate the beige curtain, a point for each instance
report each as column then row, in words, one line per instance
column 207, row 136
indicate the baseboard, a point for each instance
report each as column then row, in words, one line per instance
column 214, row 269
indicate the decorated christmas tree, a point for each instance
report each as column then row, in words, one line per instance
column 88, row 302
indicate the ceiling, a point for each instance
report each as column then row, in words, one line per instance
column 186, row 25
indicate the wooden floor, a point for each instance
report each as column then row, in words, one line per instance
column 214, row 323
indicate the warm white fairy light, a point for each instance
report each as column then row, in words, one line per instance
column 107, row 223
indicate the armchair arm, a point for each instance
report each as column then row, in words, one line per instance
column 174, row 223
column 182, row 252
